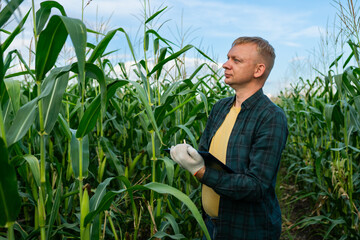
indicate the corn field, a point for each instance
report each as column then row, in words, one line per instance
column 82, row 143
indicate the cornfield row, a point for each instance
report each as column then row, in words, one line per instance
column 88, row 155
column 322, row 154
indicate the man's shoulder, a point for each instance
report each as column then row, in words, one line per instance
column 268, row 107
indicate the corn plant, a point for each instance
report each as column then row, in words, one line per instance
column 323, row 149
column 88, row 152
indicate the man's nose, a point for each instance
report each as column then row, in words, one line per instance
column 226, row 64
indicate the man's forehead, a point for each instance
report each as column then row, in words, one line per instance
column 249, row 49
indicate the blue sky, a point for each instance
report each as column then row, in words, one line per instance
column 293, row 27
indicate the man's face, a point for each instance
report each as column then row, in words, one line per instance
column 241, row 65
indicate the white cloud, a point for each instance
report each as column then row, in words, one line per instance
column 309, row 32
column 228, row 19
column 299, row 58
column 291, row 44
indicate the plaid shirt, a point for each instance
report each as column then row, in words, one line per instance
column 249, row 208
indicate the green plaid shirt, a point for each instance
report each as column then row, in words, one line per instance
column 249, row 208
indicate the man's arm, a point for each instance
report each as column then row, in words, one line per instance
column 199, row 175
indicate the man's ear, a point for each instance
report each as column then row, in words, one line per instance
column 259, row 70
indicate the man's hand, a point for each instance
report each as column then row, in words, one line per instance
column 187, row 157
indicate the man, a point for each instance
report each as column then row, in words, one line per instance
column 247, row 132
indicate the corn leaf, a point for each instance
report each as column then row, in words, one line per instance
column 64, row 126
column 100, row 48
column 88, row 121
column 8, row 10
column 23, row 120
column 55, row 208
column 10, row 202
column 75, row 151
column 53, row 101
column 108, row 148
column 189, row 134
column 34, row 167
column 13, row 89
column 141, row 95
column 157, row 187
column 14, row 33
column 24, row 63
column 78, row 35
column 154, row 15
column 42, row 15
column 51, row 40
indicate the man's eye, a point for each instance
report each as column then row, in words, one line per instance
column 236, row 60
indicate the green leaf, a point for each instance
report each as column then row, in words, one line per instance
column 100, row 48
column 13, row 89
column 165, row 189
column 94, row 203
column 53, row 101
column 51, row 40
column 55, row 208
column 172, row 222
column 8, row 10
column 140, row 93
column 94, row 72
column 107, row 199
column 162, row 234
column 169, row 164
column 16, row 31
column 189, row 134
column 10, row 201
column 154, row 15
column 176, row 55
column 34, row 167
column 88, row 121
column 23, row 120
column 110, row 155
column 146, row 41
column 336, row 61
column 42, row 15
column 21, row 73
column 171, row 57
column 64, row 126
column 160, row 111
column 47, row 88
column 75, row 151
column 78, row 35
column 157, row 187
column 2, row 74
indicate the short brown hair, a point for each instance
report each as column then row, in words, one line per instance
column 263, row 47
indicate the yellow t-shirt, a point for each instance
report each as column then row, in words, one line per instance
column 210, row 199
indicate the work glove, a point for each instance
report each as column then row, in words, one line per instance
column 187, row 157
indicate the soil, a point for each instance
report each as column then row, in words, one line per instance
column 294, row 211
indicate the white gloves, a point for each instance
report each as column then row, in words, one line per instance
column 187, row 157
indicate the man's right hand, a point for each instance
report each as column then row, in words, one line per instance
column 187, row 157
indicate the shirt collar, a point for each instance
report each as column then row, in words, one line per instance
column 250, row 101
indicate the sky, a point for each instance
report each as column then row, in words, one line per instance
column 294, row 28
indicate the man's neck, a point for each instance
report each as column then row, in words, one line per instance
column 243, row 94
